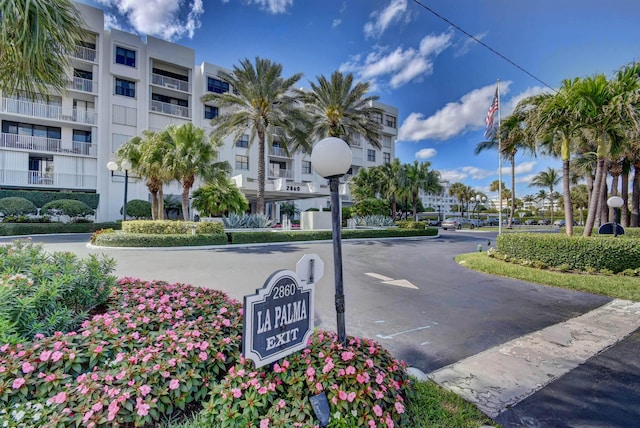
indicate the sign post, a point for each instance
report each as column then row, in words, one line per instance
column 278, row 319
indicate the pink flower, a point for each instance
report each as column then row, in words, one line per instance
column 351, row 370
column 174, row 384
column 98, row 349
column 59, row 398
column 27, row 367
column 97, row 407
column 145, row 389
column 342, row 395
column 377, row 410
column 264, row 423
column 347, row 355
column 204, row 346
column 379, row 378
column 263, row 390
column 389, row 421
column 44, row 355
column 203, row 356
column 372, row 423
column 281, row 404
column 318, row 386
column 351, row 396
column 56, row 356
column 17, row 384
column 369, row 363
column 142, row 408
column 236, row 392
column 399, row 407
column 311, row 372
column 50, row 377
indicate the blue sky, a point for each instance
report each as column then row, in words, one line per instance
column 441, row 80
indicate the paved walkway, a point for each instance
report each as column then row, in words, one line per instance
column 504, row 375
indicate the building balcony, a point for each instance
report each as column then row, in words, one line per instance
column 172, row 109
column 170, row 83
column 48, row 111
column 281, row 173
column 45, row 145
column 40, row 179
column 278, row 152
column 85, row 54
column 83, row 85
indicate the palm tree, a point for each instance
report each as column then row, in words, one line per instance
column 216, row 198
column 459, row 191
column 262, row 101
column 337, row 108
column 547, row 179
column 391, row 184
column 36, row 38
column 366, row 184
column 146, row 154
column 193, row 156
column 419, row 177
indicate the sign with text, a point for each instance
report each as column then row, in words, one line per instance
column 278, row 319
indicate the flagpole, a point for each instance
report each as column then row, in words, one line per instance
column 499, row 164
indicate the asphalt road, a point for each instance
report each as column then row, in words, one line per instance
column 411, row 296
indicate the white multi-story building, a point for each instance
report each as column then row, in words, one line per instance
column 120, row 85
column 441, row 202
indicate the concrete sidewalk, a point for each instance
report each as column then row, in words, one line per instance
column 502, row 376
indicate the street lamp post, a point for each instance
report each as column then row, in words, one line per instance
column 331, row 159
column 615, row 202
column 477, row 199
column 125, row 165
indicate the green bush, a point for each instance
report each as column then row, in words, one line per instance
column 70, row 207
column 576, row 253
column 291, row 236
column 17, row 206
column 42, row 293
column 371, row 206
column 39, row 197
column 633, row 232
column 408, row 224
column 139, row 209
column 171, row 227
column 16, row 229
column 106, row 239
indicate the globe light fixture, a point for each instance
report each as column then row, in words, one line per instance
column 331, row 159
column 615, row 202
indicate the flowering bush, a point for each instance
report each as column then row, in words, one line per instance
column 364, row 385
column 154, row 354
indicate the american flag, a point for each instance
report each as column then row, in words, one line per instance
column 489, row 129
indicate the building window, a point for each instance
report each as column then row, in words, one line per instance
column 242, row 162
column 386, row 141
column 28, row 129
column 390, row 121
column 125, row 87
column 125, row 56
column 210, row 112
column 169, row 100
column 376, row 116
column 387, row 157
column 243, row 141
column 82, row 136
column 306, row 167
column 217, row 86
column 371, row 155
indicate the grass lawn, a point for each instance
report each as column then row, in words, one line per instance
column 615, row 286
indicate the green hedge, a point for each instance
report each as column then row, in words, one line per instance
column 409, row 224
column 15, row 229
column 573, row 252
column 168, row 227
column 157, row 240
column 628, row 231
column 269, row 236
column 39, row 198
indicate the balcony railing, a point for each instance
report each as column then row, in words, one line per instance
column 47, row 179
column 172, row 109
column 278, row 151
column 84, row 85
column 170, row 82
column 47, row 111
column 281, row 173
column 86, row 54
column 43, row 144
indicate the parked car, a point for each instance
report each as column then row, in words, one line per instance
column 457, row 223
column 562, row 222
column 492, row 221
column 544, row 222
column 530, row 222
column 433, row 222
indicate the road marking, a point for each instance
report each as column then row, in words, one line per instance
column 391, row 336
column 390, row 281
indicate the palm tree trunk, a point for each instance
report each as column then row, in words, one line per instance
column 566, row 190
column 261, row 173
column 154, row 204
column 613, row 191
column 513, row 191
column 594, row 200
column 160, row 204
column 624, row 210
column 415, row 207
column 635, row 197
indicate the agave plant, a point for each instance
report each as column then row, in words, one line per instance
column 235, row 221
column 260, row 221
column 373, row 221
column 247, row 221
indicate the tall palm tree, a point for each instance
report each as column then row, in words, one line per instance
column 419, row 177
column 391, row 184
column 262, row 101
column 193, row 156
column 146, row 154
column 338, row 108
column 547, row 179
column 459, row 191
column 216, row 198
column 36, row 38
column 366, row 183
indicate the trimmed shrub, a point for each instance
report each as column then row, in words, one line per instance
column 633, row 232
column 171, row 227
column 39, row 197
column 139, row 209
column 571, row 252
column 43, row 293
column 17, row 206
column 408, row 224
column 14, row 229
column 107, row 239
column 70, row 207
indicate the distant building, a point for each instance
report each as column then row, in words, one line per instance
column 120, row 85
column 440, row 202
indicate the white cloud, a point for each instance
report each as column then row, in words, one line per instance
column 167, row 19
column 455, row 118
column 468, row 44
column 336, row 22
column 273, row 6
column 526, row 179
column 426, row 153
column 382, row 19
column 478, row 173
column 400, row 66
column 453, row 175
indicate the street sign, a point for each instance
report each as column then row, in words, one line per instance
column 278, row 319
